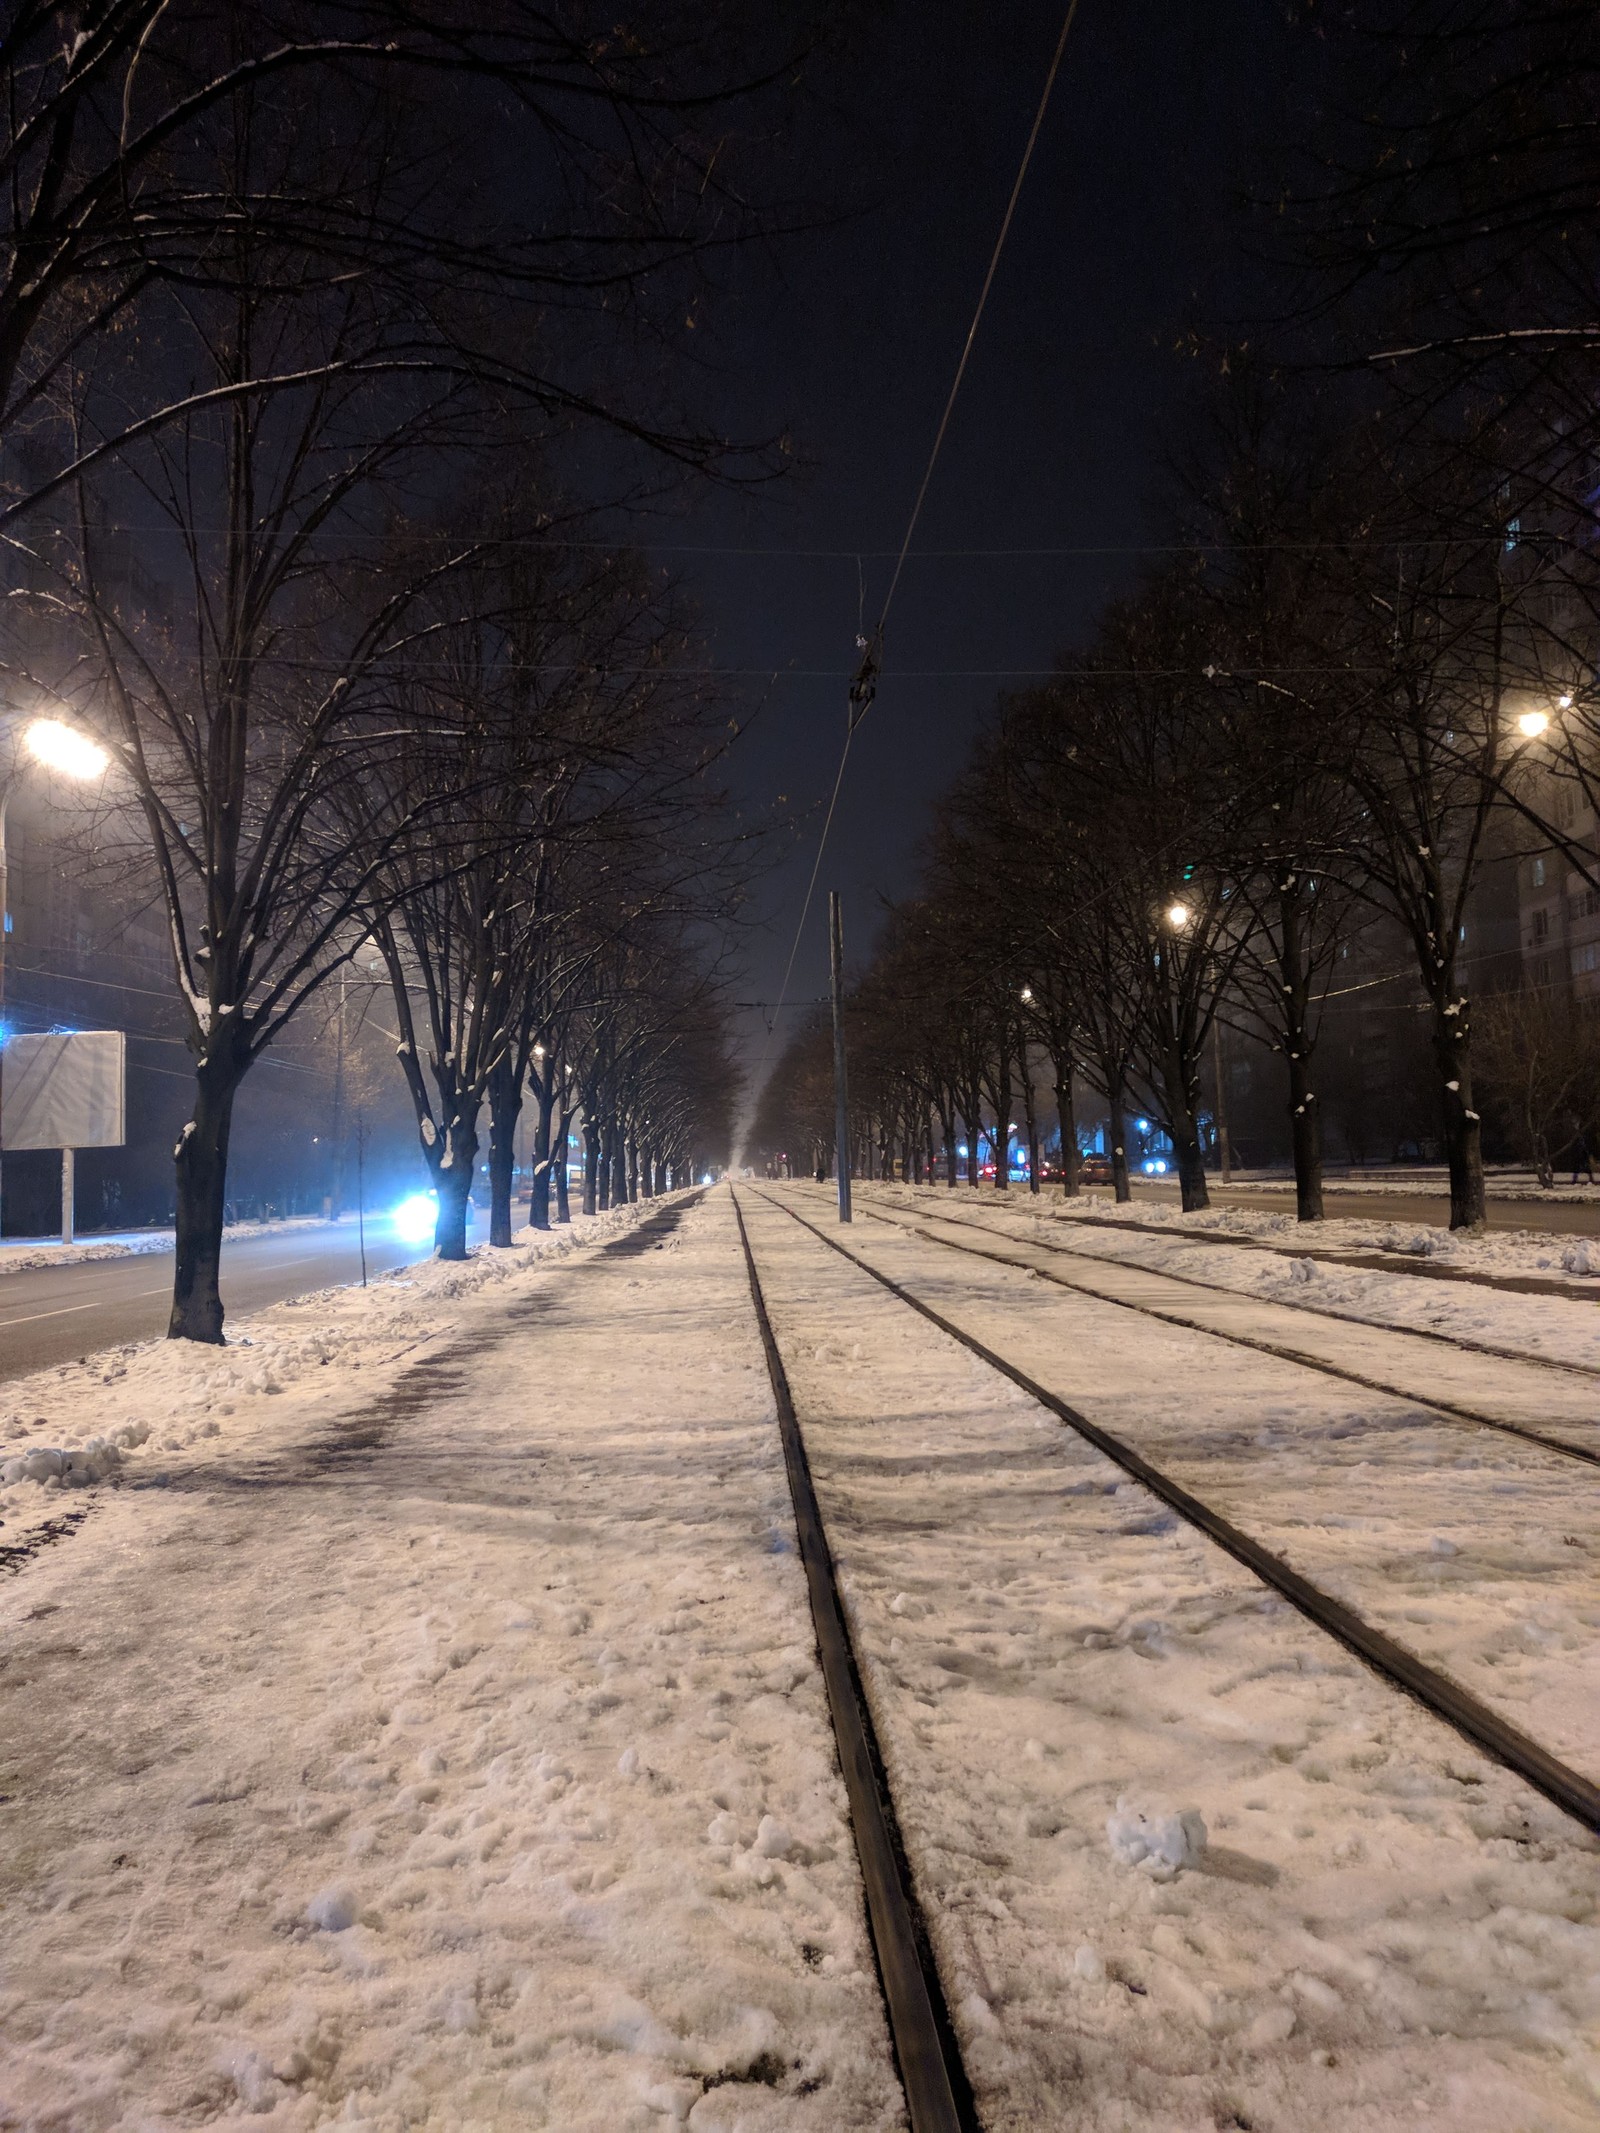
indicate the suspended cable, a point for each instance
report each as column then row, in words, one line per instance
column 864, row 684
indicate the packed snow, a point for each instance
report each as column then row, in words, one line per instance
column 1547, row 1255
column 415, row 1722
column 1383, row 1928
column 1262, row 1262
column 441, row 1743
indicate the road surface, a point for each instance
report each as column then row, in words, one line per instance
column 52, row 1315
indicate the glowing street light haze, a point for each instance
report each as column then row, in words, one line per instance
column 1177, row 916
column 60, row 747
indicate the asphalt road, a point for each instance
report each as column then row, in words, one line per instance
column 1574, row 1218
column 55, row 1314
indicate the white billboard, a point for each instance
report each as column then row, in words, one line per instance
column 63, row 1090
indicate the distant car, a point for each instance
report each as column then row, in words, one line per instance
column 1096, row 1170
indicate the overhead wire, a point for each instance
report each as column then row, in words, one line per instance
column 863, row 685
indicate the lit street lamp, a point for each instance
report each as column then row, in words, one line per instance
column 1178, row 916
column 56, row 746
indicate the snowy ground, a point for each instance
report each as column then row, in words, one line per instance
column 1498, row 1184
column 442, row 1745
column 1544, row 1326
column 1575, row 1260
column 1386, row 1929
column 422, row 1727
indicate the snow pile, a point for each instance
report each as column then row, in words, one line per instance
column 73, row 1466
column 1155, row 1839
column 1581, row 1259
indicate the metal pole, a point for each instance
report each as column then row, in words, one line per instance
column 361, row 1190
column 841, row 1090
column 1224, row 1153
column 69, row 1176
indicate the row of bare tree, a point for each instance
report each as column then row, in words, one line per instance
column 315, row 315
column 1365, row 663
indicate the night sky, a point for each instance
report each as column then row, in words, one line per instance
column 1127, row 232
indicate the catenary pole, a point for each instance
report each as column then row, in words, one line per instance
column 841, row 1090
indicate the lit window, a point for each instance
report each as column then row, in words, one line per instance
column 1538, row 873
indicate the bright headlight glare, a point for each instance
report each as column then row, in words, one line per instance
column 415, row 1217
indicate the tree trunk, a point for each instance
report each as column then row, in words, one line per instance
column 1463, row 1132
column 1305, row 1120
column 539, row 1187
column 1116, row 1081
column 1031, row 1118
column 558, row 1165
column 201, row 1160
column 505, row 1105
column 452, row 1177
column 1191, row 1156
column 591, row 1164
column 619, row 1168
column 1002, row 1123
column 1305, row 1124
column 1061, row 1064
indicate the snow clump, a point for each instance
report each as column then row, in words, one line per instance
column 332, row 1910
column 1581, row 1259
column 1159, row 1843
column 73, row 1466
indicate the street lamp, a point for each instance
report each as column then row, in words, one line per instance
column 1178, row 916
column 60, row 747
column 57, row 746
column 1537, row 718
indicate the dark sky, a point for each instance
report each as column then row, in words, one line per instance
column 1126, row 231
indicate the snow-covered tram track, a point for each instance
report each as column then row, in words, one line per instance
column 1402, row 1668
column 937, row 2092
column 1299, row 1304
column 1104, row 1290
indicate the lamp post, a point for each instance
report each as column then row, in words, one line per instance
column 57, row 746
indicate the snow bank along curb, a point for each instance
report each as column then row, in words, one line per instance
column 30, row 1257
column 68, row 1428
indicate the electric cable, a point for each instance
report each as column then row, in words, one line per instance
column 863, row 686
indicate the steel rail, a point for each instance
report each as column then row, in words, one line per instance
column 938, row 2094
column 1565, row 1787
column 1449, row 1409
column 1458, row 1341
column 1374, row 1259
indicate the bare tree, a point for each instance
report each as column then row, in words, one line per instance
column 1539, row 1061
